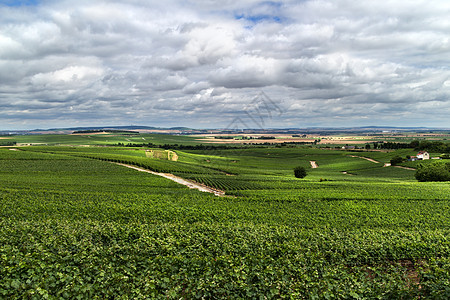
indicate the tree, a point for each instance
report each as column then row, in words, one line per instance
column 396, row 160
column 436, row 171
column 300, row 172
column 414, row 144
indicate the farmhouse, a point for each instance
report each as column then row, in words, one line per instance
column 423, row 155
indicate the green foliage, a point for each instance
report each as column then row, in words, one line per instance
column 434, row 146
column 7, row 143
column 396, row 160
column 300, row 172
column 436, row 171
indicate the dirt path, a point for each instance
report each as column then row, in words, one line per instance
column 190, row 184
column 406, row 168
column 314, row 165
column 366, row 158
column 401, row 167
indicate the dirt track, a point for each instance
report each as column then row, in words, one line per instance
column 190, row 184
column 366, row 158
column 406, row 168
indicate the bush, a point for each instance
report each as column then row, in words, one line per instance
column 396, row 160
column 437, row 171
column 300, row 172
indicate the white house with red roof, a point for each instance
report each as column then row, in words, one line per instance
column 423, row 155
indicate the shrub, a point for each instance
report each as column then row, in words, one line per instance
column 437, row 171
column 396, row 160
column 300, row 172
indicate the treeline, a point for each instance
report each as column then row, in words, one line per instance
column 8, row 143
column 392, row 146
column 431, row 146
column 284, row 144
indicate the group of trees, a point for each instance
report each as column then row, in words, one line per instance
column 431, row 146
column 8, row 143
column 396, row 160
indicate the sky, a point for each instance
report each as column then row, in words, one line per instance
column 216, row 64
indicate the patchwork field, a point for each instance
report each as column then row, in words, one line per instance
column 74, row 224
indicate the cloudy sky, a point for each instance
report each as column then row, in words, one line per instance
column 207, row 63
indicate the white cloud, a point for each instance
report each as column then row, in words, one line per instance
column 200, row 62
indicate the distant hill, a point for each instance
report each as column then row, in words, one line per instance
column 187, row 130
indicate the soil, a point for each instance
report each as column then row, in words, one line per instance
column 406, row 168
column 188, row 183
column 314, row 165
column 366, row 158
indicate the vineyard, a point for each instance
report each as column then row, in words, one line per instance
column 75, row 225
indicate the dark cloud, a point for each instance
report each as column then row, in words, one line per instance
column 200, row 63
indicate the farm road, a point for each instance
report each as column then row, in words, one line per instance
column 190, row 184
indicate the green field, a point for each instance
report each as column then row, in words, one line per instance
column 74, row 224
column 100, row 139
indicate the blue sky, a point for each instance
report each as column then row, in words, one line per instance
column 266, row 11
column 19, row 2
column 202, row 63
